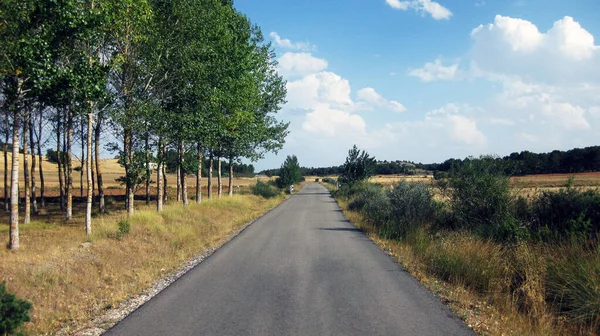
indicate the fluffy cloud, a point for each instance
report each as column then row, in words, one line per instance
column 300, row 64
column 326, row 121
column 314, row 89
column 432, row 8
column 370, row 96
column 436, row 71
column 288, row 44
column 567, row 116
column 449, row 127
column 565, row 53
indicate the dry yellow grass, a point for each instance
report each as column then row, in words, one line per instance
column 68, row 284
column 488, row 308
column 111, row 171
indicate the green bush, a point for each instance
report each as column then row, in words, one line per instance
column 395, row 211
column 329, row 180
column 13, row 311
column 289, row 173
column 411, row 205
column 481, row 201
column 264, row 189
column 124, row 228
column 568, row 214
column 316, row 180
column 365, row 193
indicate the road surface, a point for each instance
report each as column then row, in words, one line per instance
column 302, row 269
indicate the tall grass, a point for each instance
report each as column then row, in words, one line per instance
column 537, row 260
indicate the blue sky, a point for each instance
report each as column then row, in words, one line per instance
column 425, row 80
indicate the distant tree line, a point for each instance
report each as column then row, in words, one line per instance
column 578, row 160
column 381, row 168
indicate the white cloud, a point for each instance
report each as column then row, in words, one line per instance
column 432, row 8
column 594, row 111
column 567, row 116
column 464, row 130
column 528, row 138
column 288, row 44
column 510, row 46
column 322, row 87
column 435, row 70
column 370, row 96
column 502, row 122
column 324, row 120
column 448, row 126
column 300, row 64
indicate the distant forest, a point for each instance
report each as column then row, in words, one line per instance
column 578, row 160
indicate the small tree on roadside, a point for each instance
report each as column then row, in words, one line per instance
column 358, row 167
column 13, row 311
column 289, row 173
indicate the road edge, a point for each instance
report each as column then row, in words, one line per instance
column 104, row 322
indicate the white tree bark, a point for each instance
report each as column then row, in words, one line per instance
column 219, row 178
column 13, row 243
column 27, row 217
column 90, row 192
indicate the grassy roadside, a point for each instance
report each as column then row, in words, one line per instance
column 69, row 283
column 500, row 289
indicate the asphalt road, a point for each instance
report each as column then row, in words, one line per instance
column 302, row 269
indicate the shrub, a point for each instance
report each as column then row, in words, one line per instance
column 569, row 214
column 365, row 193
column 264, row 190
column 289, row 173
column 316, row 180
column 411, row 205
column 124, row 228
column 329, row 180
column 358, row 166
column 396, row 211
column 13, row 311
column 481, row 201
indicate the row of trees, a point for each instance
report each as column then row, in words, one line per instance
column 191, row 77
column 577, row 160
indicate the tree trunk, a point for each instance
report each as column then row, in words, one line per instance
column 164, row 170
column 93, row 162
column 230, row 176
column 178, row 177
column 183, row 181
column 82, row 159
column 65, row 166
column 6, row 138
column 88, row 166
column 27, row 217
column 59, row 161
column 13, row 243
column 159, row 178
column 219, row 178
column 210, row 173
column 39, row 148
column 33, row 167
column 148, row 176
column 69, row 215
column 199, row 176
column 128, row 145
column 97, row 133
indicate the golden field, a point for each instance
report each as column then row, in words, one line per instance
column 111, row 171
